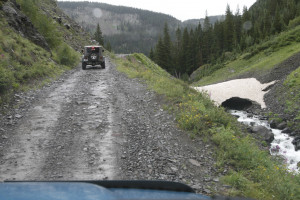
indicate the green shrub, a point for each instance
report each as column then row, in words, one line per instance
column 6, row 80
column 67, row 56
column 185, row 77
column 295, row 22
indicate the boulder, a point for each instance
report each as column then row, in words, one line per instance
column 67, row 26
column 252, row 123
column 273, row 124
column 263, row 118
column 297, row 146
column 286, row 130
column 282, row 125
column 296, row 143
column 293, row 133
column 296, row 139
column 59, row 20
column 264, row 133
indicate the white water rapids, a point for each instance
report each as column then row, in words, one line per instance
column 282, row 144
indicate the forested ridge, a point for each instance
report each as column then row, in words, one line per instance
column 241, row 31
column 126, row 29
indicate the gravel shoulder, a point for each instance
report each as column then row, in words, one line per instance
column 98, row 124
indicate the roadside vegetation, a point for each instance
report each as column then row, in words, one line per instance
column 23, row 64
column 291, row 92
column 254, row 173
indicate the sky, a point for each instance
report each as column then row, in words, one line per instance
column 184, row 9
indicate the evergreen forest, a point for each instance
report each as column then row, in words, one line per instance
column 240, row 32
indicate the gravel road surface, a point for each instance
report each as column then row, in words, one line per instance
column 97, row 124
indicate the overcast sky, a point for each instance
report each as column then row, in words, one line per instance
column 184, row 9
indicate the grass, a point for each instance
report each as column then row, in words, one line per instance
column 259, row 60
column 254, row 173
column 292, row 95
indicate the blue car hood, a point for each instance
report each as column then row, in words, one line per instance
column 84, row 191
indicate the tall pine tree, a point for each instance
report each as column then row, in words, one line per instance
column 159, row 53
column 229, row 30
column 167, row 49
column 98, row 35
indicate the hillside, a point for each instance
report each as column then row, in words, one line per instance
column 38, row 42
column 128, row 30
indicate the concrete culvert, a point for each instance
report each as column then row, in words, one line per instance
column 236, row 103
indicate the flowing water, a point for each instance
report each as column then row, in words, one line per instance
column 281, row 145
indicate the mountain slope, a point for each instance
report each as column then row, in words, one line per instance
column 38, row 42
column 127, row 29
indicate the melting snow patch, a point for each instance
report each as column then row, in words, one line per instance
column 249, row 88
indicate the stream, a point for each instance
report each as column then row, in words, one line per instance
column 281, row 145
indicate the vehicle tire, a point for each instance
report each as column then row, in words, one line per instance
column 83, row 66
column 103, row 65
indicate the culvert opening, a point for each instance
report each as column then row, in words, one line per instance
column 236, row 103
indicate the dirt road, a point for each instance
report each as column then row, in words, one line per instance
column 98, row 124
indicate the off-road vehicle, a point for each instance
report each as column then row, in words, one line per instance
column 93, row 55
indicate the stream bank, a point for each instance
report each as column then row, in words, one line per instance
column 280, row 143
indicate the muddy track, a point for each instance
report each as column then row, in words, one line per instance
column 98, row 124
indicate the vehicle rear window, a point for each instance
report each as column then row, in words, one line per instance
column 93, row 49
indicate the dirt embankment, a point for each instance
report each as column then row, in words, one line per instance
column 99, row 124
